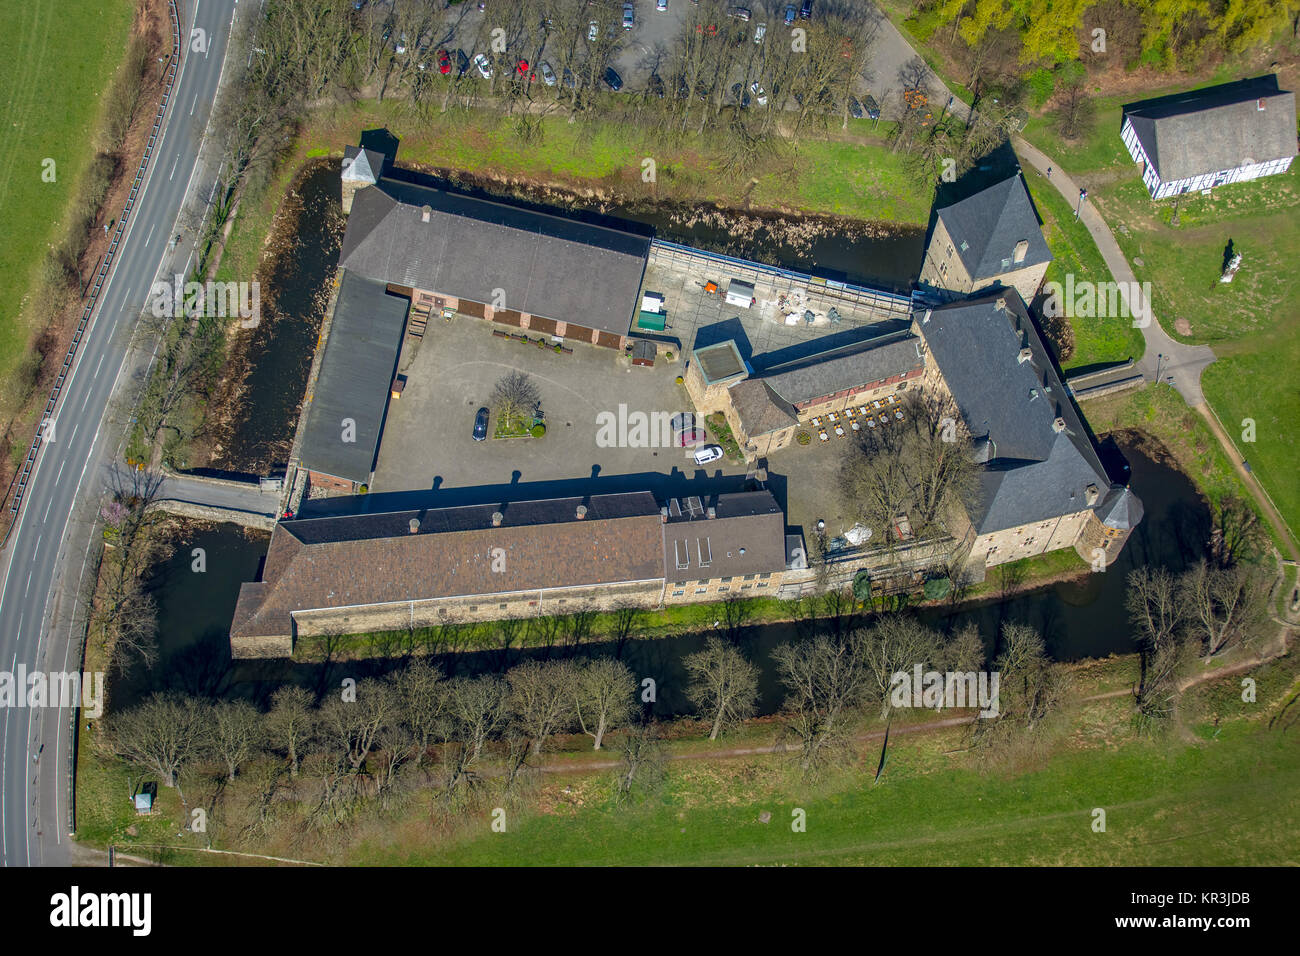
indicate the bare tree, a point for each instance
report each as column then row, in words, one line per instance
column 896, row 645
column 723, row 685
column 292, row 722
column 826, row 683
column 165, row 734
column 643, row 761
column 515, row 397
column 1224, row 607
column 235, row 734
column 1032, row 688
column 602, row 697
column 353, row 726
column 541, row 699
column 422, row 696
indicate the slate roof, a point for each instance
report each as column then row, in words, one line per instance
column 362, row 165
column 849, row 366
column 355, row 374
column 1120, row 509
column 1215, row 129
column 747, row 536
column 1035, row 473
column 545, row 265
column 344, row 561
column 990, row 224
column 760, row 409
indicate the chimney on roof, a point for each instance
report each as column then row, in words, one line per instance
column 1259, row 104
column 1022, row 250
column 1026, row 355
column 426, row 213
column 712, row 512
column 1091, row 494
column 497, row 518
column 928, row 313
column 581, row 512
column 663, row 514
column 1001, row 304
column 1058, row 424
column 414, row 525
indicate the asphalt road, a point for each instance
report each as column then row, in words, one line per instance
column 47, row 543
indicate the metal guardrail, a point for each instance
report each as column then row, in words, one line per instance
column 18, row 487
column 862, row 295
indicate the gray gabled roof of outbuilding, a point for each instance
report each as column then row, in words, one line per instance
column 1216, row 128
column 986, row 227
column 836, row 370
column 491, row 252
column 355, row 374
column 1037, row 473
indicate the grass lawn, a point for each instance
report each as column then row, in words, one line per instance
column 855, row 176
column 1227, row 799
column 1253, row 323
column 1096, row 340
column 50, row 111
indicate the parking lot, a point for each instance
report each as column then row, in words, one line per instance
column 427, row 439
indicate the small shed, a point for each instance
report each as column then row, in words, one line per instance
column 652, row 316
column 740, row 293
column 398, row 387
column 643, row 353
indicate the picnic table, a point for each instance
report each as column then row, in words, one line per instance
column 823, row 436
column 839, row 430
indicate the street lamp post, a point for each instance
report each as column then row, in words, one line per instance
column 1159, row 358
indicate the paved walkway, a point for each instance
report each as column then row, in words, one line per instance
column 1179, row 364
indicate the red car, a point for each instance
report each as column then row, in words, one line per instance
column 444, row 62
column 690, row 437
column 522, row 67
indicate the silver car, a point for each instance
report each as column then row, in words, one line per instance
column 707, row 454
column 548, row 75
column 484, row 68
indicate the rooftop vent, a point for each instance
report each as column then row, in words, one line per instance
column 581, row 512
column 497, row 517
column 426, row 213
column 928, row 313
column 1259, row 104
column 414, row 525
column 1091, row 493
column 1058, row 424
column 1001, row 304
column 712, row 512
column 1026, row 355
column 1022, row 250
column 663, row 514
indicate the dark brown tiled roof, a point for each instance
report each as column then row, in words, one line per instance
column 348, row 561
column 760, row 409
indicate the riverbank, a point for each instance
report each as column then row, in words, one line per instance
column 731, row 801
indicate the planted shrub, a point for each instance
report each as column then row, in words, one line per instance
column 538, row 430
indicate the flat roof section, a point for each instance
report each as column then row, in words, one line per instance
column 346, row 416
column 719, row 362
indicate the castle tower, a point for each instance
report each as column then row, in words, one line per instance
column 1108, row 526
column 361, row 168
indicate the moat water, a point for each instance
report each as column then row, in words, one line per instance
column 1079, row 619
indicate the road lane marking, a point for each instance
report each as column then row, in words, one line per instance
column 174, row 165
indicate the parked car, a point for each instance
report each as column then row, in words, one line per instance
column 548, row 74
column 400, row 46
column 593, row 31
column 855, row 108
column 690, row 438
column 612, row 79
column 569, row 80
column 484, row 68
column 805, row 12
column 481, row 420
column 872, row 107
column 462, row 63
column 661, row 6
column 681, row 422
column 760, row 96
column 707, row 454
column 789, row 14
column 740, row 94
column 629, row 17
column 444, row 62
column 522, row 67
column 740, row 13
column 760, row 31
